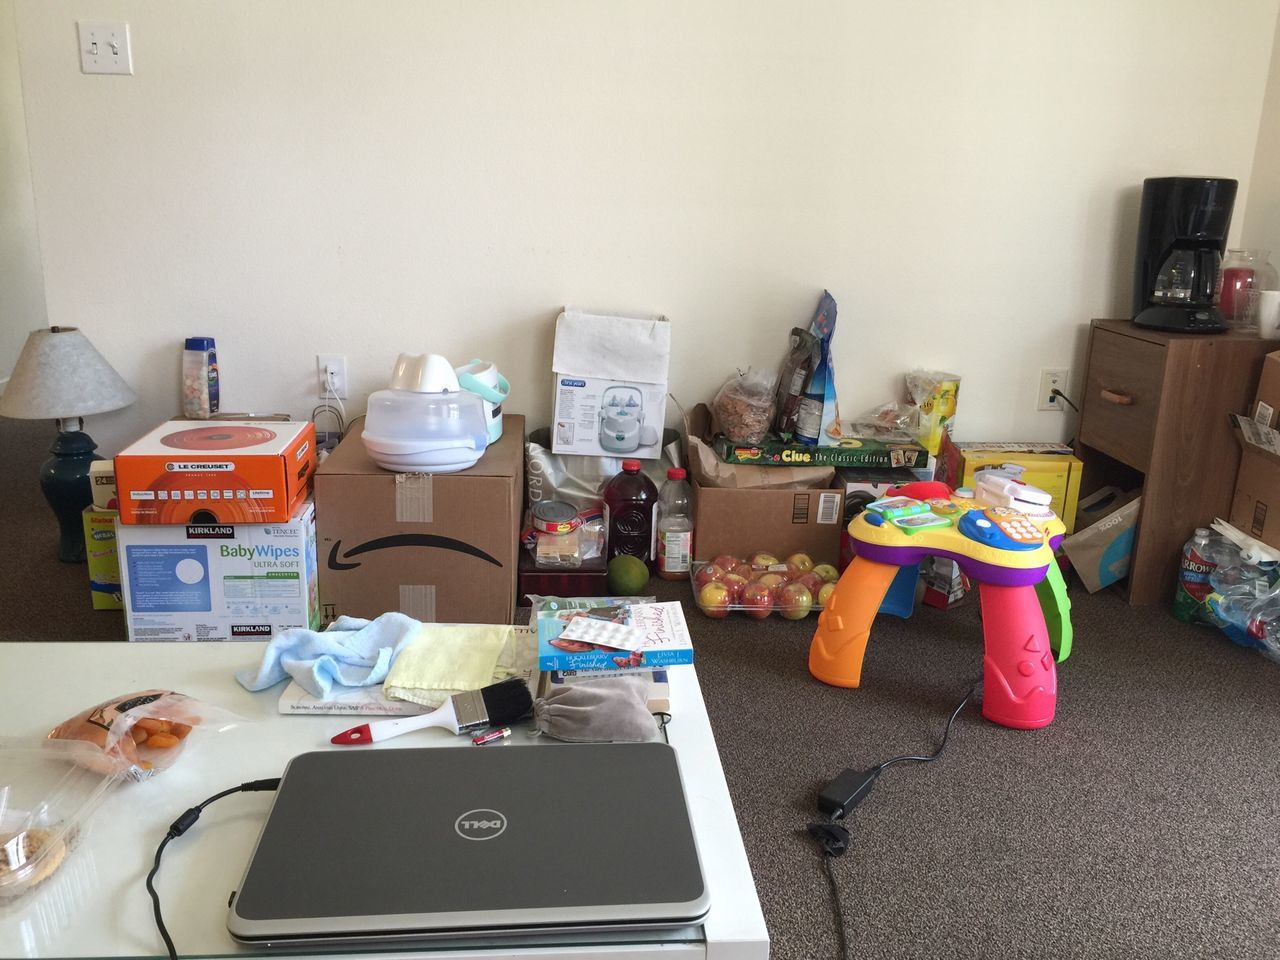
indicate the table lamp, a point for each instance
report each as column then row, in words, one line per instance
column 60, row 376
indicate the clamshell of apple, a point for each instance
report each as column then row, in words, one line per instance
column 760, row 584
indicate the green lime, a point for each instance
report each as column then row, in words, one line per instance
column 628, row 576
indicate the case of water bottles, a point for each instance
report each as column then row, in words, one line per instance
column 1232, row 588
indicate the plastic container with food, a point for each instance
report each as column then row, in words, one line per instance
column 48, row 793
column 744, row 407
column 761, row 584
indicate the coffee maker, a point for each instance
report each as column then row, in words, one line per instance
column 1182, row 232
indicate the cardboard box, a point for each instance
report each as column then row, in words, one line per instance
column 216, row 472
column 1267, row 404
column 781, row 522
column 1052, row 467
column 439, row 548
column 214, row 581
column 104, row 563
column 1255, row 507
column 1101, row 549
column 102, row 478
column 610, row 377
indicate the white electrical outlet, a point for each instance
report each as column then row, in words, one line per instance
column 331, row 372
column 104, row 47
column 1052, row 379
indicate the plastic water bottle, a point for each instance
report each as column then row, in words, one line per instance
column 1200, row 558
column 629, row 501
column 675, row 526
column 199, row 378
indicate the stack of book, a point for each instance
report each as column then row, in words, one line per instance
column 598, row 637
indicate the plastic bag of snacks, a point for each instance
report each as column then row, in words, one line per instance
column 744, row 406
column 762, row 583
column 48, row 792
column 139, row 734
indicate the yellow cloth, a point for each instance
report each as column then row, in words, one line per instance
column 446, row 658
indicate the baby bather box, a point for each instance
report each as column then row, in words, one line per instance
column 622, row 426
column 425, row 422
column 483, row 379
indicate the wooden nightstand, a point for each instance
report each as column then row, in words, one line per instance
column 1154, row 414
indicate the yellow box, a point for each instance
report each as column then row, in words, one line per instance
column 1052, row 467
column 104, row 563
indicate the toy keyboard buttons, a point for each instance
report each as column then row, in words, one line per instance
column 983, row 529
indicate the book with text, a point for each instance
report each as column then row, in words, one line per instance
column 665, row 642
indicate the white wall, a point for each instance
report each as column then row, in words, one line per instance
column 303, row 176
column 1262, row 218
column 21, row 285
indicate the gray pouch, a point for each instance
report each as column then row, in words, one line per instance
column 600, row 710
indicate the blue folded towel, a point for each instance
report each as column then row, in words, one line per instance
column 351, row 653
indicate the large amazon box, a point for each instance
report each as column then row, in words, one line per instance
column 437, row 547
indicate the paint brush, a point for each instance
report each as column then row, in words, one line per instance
column 493, row 706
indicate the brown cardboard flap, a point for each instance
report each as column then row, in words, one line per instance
column 710, row 471
column 1257, row 439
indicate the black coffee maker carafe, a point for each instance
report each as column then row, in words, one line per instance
column 1182, row 232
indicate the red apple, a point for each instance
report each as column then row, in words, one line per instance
column 771, row 580
column 706, row 574
column 713, row 599
column 795, row 601
column 763, row 560
column 824, row 594
column 812, row 582
column 736, row 585
column 744, row 571
column 801, row 561
column 726, row 562
column 827, row 572
column 758, row 599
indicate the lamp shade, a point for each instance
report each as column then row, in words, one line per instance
column 59, row 375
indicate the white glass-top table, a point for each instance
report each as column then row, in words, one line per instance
column 97, row 906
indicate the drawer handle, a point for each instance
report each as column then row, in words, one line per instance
column 1121, row 399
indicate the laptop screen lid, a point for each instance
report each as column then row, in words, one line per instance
column 397, row 843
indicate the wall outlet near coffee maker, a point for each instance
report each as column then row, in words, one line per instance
column 1051, row 379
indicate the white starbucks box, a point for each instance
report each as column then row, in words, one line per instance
column 217, row 581
column 610, row 377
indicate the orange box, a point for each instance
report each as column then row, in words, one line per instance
column 216, row 471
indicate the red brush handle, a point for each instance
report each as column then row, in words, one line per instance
column 360, row 734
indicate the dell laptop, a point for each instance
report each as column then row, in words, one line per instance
column 367, row 845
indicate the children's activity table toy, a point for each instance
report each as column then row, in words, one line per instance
column 1002, row 535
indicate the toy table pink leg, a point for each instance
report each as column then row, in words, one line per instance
column 1019, row 682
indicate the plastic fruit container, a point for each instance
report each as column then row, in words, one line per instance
column 761, row 585
column 48, row 792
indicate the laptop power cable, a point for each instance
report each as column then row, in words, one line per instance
column 841, row 795
column 177, row 829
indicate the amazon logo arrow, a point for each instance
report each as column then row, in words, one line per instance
column 404, row 540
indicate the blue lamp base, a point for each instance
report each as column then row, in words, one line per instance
column 64, row 478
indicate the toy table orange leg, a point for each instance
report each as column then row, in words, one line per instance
column 1019, row 677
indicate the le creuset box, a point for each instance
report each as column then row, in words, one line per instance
column 439, row 547
column 216, row 471
column 219, row 581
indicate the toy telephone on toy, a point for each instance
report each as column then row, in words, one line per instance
column 1002, row 535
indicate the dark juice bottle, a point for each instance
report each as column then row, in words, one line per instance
column 629, row 501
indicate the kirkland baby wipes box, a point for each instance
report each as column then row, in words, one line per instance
column 212, row 581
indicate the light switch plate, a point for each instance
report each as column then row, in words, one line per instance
column 104, row 47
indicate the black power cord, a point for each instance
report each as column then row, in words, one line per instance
column 177, row 829
column 844, row 793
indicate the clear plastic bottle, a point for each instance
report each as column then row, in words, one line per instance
column 199, row 378
column 1200, row 558
column 629, row 501
column 675, row 526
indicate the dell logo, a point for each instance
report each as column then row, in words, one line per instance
column 480, row 825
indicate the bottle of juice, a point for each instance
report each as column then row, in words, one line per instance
column 629, row 501
column 675, row 526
